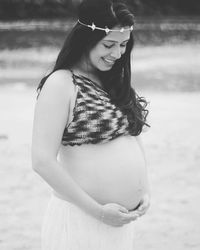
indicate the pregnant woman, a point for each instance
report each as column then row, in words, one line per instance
column 86, row 129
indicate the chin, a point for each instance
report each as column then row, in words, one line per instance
column 105, row 68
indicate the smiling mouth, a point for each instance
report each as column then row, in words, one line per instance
column 110, row 62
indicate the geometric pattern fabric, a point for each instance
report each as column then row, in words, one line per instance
column 95, row 119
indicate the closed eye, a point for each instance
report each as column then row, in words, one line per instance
column 108, row 46
column 124, row 44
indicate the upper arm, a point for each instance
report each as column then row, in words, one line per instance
column 51, row 115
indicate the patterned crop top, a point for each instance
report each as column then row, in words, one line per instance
column 95, row 118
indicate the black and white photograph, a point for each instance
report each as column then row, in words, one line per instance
column 99, row 125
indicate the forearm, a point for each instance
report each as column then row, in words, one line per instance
column 63, row 183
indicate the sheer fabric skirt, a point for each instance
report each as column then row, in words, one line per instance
column 67, row 227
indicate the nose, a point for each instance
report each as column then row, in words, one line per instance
column 116, row 52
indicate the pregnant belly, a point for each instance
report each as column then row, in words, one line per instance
column 112, row 173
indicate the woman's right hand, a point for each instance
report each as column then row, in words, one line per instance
column 116, row 215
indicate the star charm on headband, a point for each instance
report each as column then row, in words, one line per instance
column 93, row 26
column 106, row 29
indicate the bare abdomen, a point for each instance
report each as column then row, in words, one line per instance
column 113, row 172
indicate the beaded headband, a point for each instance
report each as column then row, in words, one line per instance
column 106, row 29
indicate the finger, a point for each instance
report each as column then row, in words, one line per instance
column 140, row 213
column 133, row 218
column 142, row 210
column 144, row 205
column 130, row 217
column 123, row 210
column 129, row 221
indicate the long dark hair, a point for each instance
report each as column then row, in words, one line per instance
column 117, row 81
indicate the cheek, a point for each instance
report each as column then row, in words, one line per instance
column 94, row 58
column 97, row 55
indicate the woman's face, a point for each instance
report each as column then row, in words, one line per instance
column 109, row 49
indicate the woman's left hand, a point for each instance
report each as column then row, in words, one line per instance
column 143, row 205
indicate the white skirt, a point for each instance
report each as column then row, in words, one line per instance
column 67, row 227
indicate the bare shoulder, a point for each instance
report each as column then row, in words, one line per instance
column 62, row 76
column 59, row 83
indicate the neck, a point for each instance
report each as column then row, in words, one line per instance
column 84, row 68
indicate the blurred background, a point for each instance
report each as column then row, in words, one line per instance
column 165, row 69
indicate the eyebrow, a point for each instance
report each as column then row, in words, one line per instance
column 115, row 41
